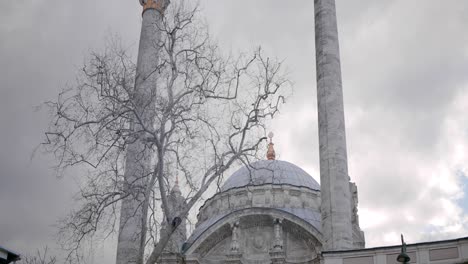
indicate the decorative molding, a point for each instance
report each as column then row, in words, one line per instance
column 234, row 238
column 277, row 254
column 277, row 257
column 220, row 229
column 268, row 195
column 278, row 231
column 234, row 258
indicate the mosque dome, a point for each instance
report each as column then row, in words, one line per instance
column 261, row 192
column 276, row 172
column 265, row 187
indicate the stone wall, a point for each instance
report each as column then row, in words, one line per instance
column 268, row 195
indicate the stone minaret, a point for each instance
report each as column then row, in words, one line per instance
column 137, row 164
column 173, row 251
column 334, row 180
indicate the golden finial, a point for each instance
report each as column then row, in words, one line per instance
column 271, row 151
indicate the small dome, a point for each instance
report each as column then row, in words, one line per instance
column 270, row 172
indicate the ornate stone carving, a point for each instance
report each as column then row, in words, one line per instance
column 354, row 203
column 277, row 254
column 358, row 235
column 277, row 257
column 278, row 243
column 234, row 239
column 259, row 196
column 255, row 236
column 257, row 242
column 234, row 256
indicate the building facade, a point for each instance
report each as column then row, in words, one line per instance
column 435, row 252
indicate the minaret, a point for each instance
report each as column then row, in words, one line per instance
column 334, row 180
column 173, row 250
column 132, row 215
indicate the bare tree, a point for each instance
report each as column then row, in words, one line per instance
column 207, row 113
column 39, row 258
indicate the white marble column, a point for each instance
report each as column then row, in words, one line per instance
column 277, row 254
column 334, row 179
column 278, row 230
column 130, row 241
column 235, row 255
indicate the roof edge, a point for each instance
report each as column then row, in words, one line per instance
column 396, row 246
column 15, row 255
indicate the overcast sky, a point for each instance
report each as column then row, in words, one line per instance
column 405, row 81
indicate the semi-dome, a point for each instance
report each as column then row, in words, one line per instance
column 276, row 172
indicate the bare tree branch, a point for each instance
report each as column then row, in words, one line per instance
column 208, row 114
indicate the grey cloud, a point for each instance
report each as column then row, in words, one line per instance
column 404, row 64
column 42, row 46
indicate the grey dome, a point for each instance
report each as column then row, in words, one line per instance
column 270, row 172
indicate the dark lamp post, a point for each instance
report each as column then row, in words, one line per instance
column 403, row 257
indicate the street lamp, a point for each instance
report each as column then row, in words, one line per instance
column 403, row 257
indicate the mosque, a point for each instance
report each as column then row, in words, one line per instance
column 272, row 211
column 267, row 212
